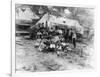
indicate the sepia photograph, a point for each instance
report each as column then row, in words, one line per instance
column 53, row 38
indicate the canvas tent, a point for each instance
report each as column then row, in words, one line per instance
column 51, row 19
column 24, row 13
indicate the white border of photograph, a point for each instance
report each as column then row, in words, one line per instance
column 67, row 73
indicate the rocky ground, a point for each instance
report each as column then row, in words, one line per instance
column 30, row 59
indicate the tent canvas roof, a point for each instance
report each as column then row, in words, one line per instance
column 25, row 15
column 60, row 20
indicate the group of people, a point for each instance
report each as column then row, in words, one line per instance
column 53, row 34
column 70, row 36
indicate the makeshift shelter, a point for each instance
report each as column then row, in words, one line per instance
column 51, row 20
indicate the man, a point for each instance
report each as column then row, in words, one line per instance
column 74, row 39
column 70, row 35
column 66, row 36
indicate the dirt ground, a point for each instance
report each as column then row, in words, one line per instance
column 30, row 59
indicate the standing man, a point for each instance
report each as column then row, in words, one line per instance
column 74, row 37
column 70, row 35
column 67, row 35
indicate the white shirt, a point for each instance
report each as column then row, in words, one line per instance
column 52, row 45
